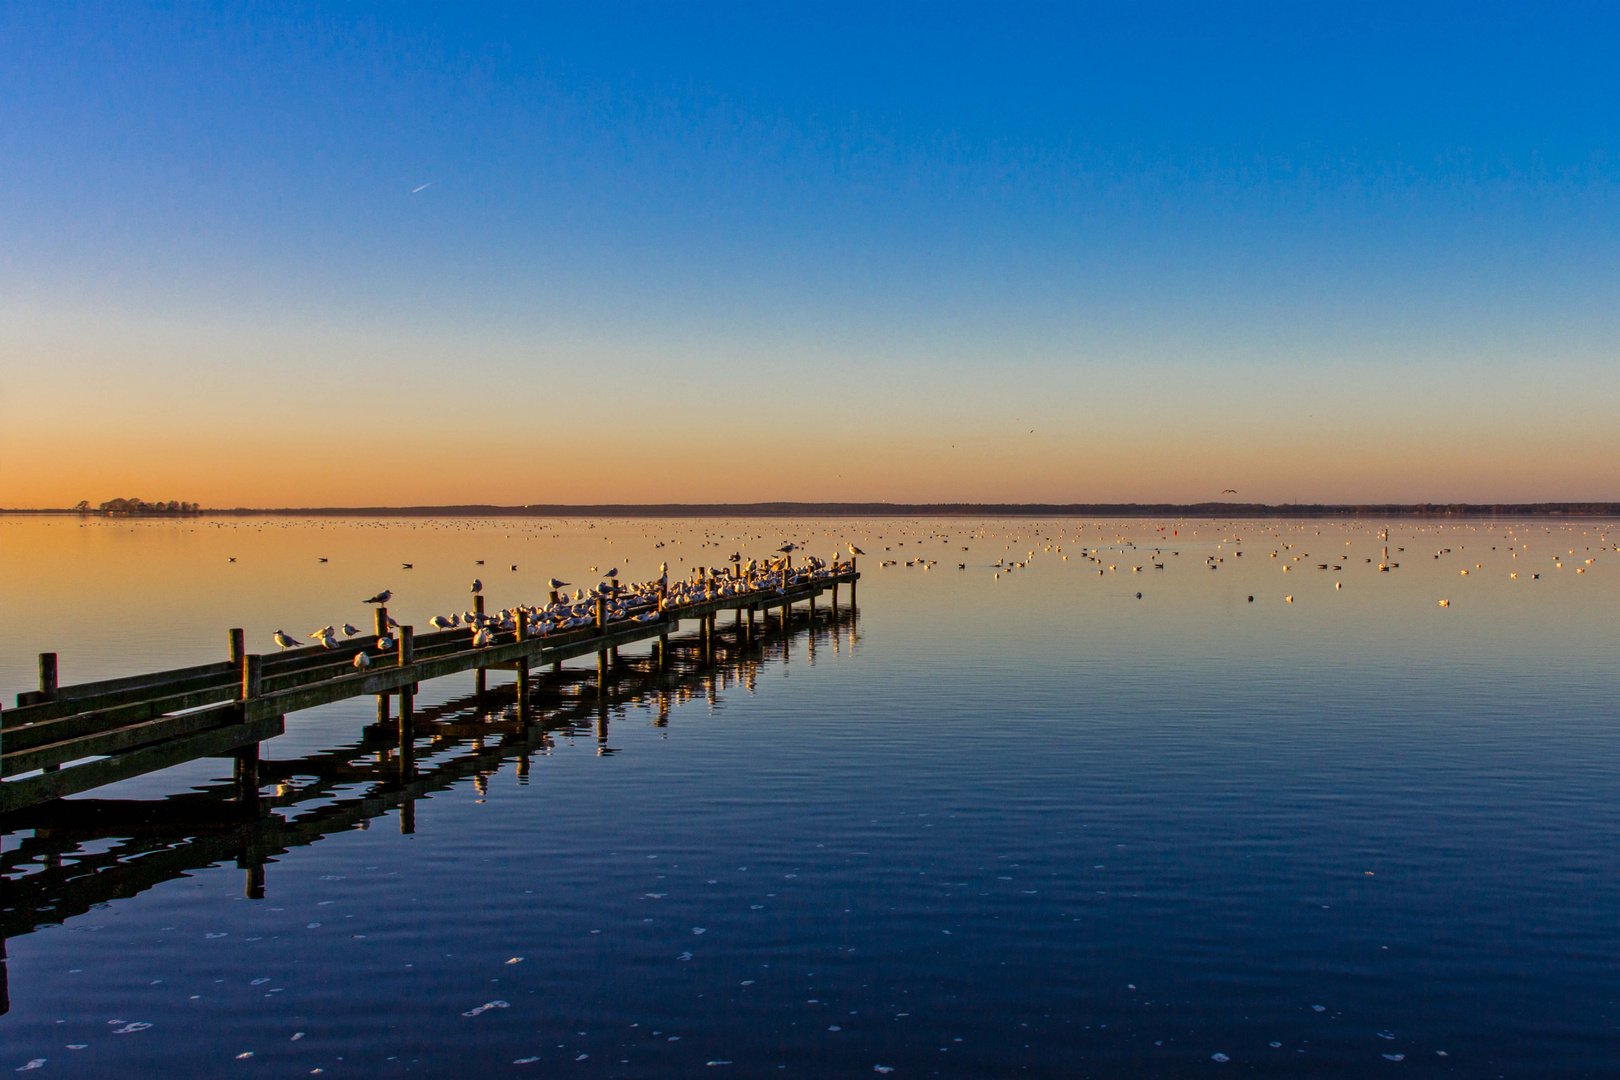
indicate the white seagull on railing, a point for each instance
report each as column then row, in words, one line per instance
column 286, row 640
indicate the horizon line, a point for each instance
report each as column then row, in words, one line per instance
column 1592, row 509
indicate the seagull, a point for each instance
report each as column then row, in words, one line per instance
column 439, row 622
column 1229, row 491
column 558, row 584
column 785, row 548
column 324, row 632
column 380, row 598
column 853, row 550
column 385, row 643
column 320, row 560
column 361, row 661
column 286, row 640
column 613, row 573
column 477, row 586
column 350, row 630
column 407, row 566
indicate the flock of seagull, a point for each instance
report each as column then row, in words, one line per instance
column 643, row 601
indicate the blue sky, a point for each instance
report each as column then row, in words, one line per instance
column 1145, row 251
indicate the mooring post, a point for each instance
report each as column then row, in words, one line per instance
column 835, row 599
column 407, row 748
column 238, row 647
column 480, row 680
column 522, row 663
column 601, row 652
column 47, row 676
column 246, row 771
column 380, row 621
column 407, row 646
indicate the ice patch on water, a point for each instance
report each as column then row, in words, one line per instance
column 525, row 1061
column 131, row 1028
column 1394, row 1057
column 684, row 956
column 34, row 1064
column 1219, row 1057
column 486, row 1006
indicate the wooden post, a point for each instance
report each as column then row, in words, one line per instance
column 252, row 675
column 480, row 679
column 383, row 719
column 47, row 676
column 238, row 647
column 663, row 651
column 407, row 646
column 835, row 599
column 246, row 774
column 380, row 621
column 812, row 609
column 601, row 654
column 246, row 771
column 253, row 888
column 407, row 748
column 523, row 668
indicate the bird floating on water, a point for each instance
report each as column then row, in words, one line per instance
column 380, row 598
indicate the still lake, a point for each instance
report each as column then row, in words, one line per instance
column 1014, row 822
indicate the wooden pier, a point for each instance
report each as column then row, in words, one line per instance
column 65, row 740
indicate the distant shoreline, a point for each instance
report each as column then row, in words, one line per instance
column 886, row 510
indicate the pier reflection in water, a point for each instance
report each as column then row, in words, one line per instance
column 74, row 854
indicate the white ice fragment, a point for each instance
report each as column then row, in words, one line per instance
column 1219, row 1057
column 486, row 1006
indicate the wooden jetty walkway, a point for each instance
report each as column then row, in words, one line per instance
column 76, row 854
column 65, row 740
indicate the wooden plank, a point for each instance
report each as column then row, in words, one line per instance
column 116, row 739
column 32, row 790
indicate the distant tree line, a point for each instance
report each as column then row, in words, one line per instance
column 139, row 506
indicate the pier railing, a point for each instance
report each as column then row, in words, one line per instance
column 63, row 740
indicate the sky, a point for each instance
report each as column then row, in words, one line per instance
column 313, row 255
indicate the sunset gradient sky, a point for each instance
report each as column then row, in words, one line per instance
column 814, row 252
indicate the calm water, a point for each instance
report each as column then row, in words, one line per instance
column 1015, row 825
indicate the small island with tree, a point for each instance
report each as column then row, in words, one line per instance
column 138, row 507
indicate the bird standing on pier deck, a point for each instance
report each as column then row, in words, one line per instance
column 554, row 583
column 349, row 630
column 285, row 640
column 361, row 661
column 439, row 622
column 380, row 598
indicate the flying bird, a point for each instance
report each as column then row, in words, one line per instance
column 1229, row 491
column 380, row 598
